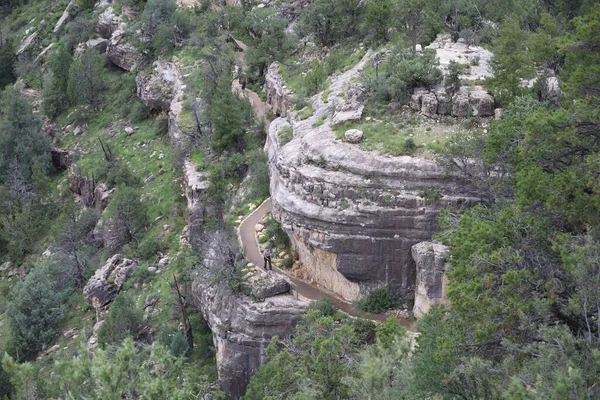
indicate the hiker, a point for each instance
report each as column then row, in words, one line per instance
column 243, row 81
column 267, row 257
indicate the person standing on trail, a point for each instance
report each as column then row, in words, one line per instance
column 267, row 257
column 243, row 80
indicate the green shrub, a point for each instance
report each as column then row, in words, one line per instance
column 325, row 307
column 35, row 312
column 258, row 182
column 161, row 127
column 173, row 340
column 306, row 112
column 364, row 330
column 139, row 112
column 285, row 135
column 409, row 146
column 151, row 245
column 314, row 81
column 123, row 320
column 376, row 301
column 431, row 195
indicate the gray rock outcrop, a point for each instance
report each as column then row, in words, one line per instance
column 156, row 88
column 109, row 22
column 122, row 53
column 431, row 262
column 269, row 285
column 61, row 159
column 477, row 58
column 99, row 44
column 279, row 97
column 242, row 330
column 27, row 43
column 106, row 283
column 475, row 100
column 91, row 193
column 353, row 215
column 64, row 18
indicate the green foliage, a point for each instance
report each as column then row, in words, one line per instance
column 315, row 79
column 227, row 115
column 376, row 301
column 332, row 22
column 452, row 80
column 151, row 245
column 79, row 30
column 174, row 340
column 128, row 212
column 511, row 63
column 259, row 176
column 123, row 320
column 380, row 18
column 324, row 307
column 401, row 72
column 7, row 64
column 86, row 79
column 35, row 312
column 285, row 135
column 21, row 141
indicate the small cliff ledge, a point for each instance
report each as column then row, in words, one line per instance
column 242, row 329
column 353, row 215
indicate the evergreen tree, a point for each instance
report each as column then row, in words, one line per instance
column 21, row 140
column 55, row 96
column 227, row 116
column 35, row 312
column 86, row 79
column 7, row 63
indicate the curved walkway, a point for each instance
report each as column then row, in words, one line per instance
column 247, row 235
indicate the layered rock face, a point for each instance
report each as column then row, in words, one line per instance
column 432, row 263
column 122, row 53
column 353, row 215
column 242, row 328
column 279, row 98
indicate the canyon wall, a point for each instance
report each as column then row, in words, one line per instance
column 354, row 215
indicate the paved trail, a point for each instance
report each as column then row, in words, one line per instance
column 247, row 235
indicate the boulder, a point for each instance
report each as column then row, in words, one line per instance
column 415, row 99
column 431, row 262
column 108, row 23
column 498, row 114
column 353, row 135
column 99, row 44
column 106, row 283
column 268, row 285
column 460, row 105
column 156, row 88
column 482, row 103
column 122, row 53
column 551, row 90
column 429, row 105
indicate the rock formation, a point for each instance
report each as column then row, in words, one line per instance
column 477, row 58
column 431, row 260
column 156, row 88
column 106, row 283
column 108, row 23
column 64, row 18
column 242, row 329
column 354, row 215
column 91, row 193
column 99, row 44
column 122, row 53
column 279, row 97
column 474, row 100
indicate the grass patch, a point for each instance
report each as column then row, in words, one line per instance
column 285, row 135
column 306, row 112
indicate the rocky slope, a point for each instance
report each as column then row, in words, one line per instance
column 353, row 215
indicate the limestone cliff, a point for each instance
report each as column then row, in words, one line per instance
column 242, row 329
column 432, row 263
column 353, row 215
